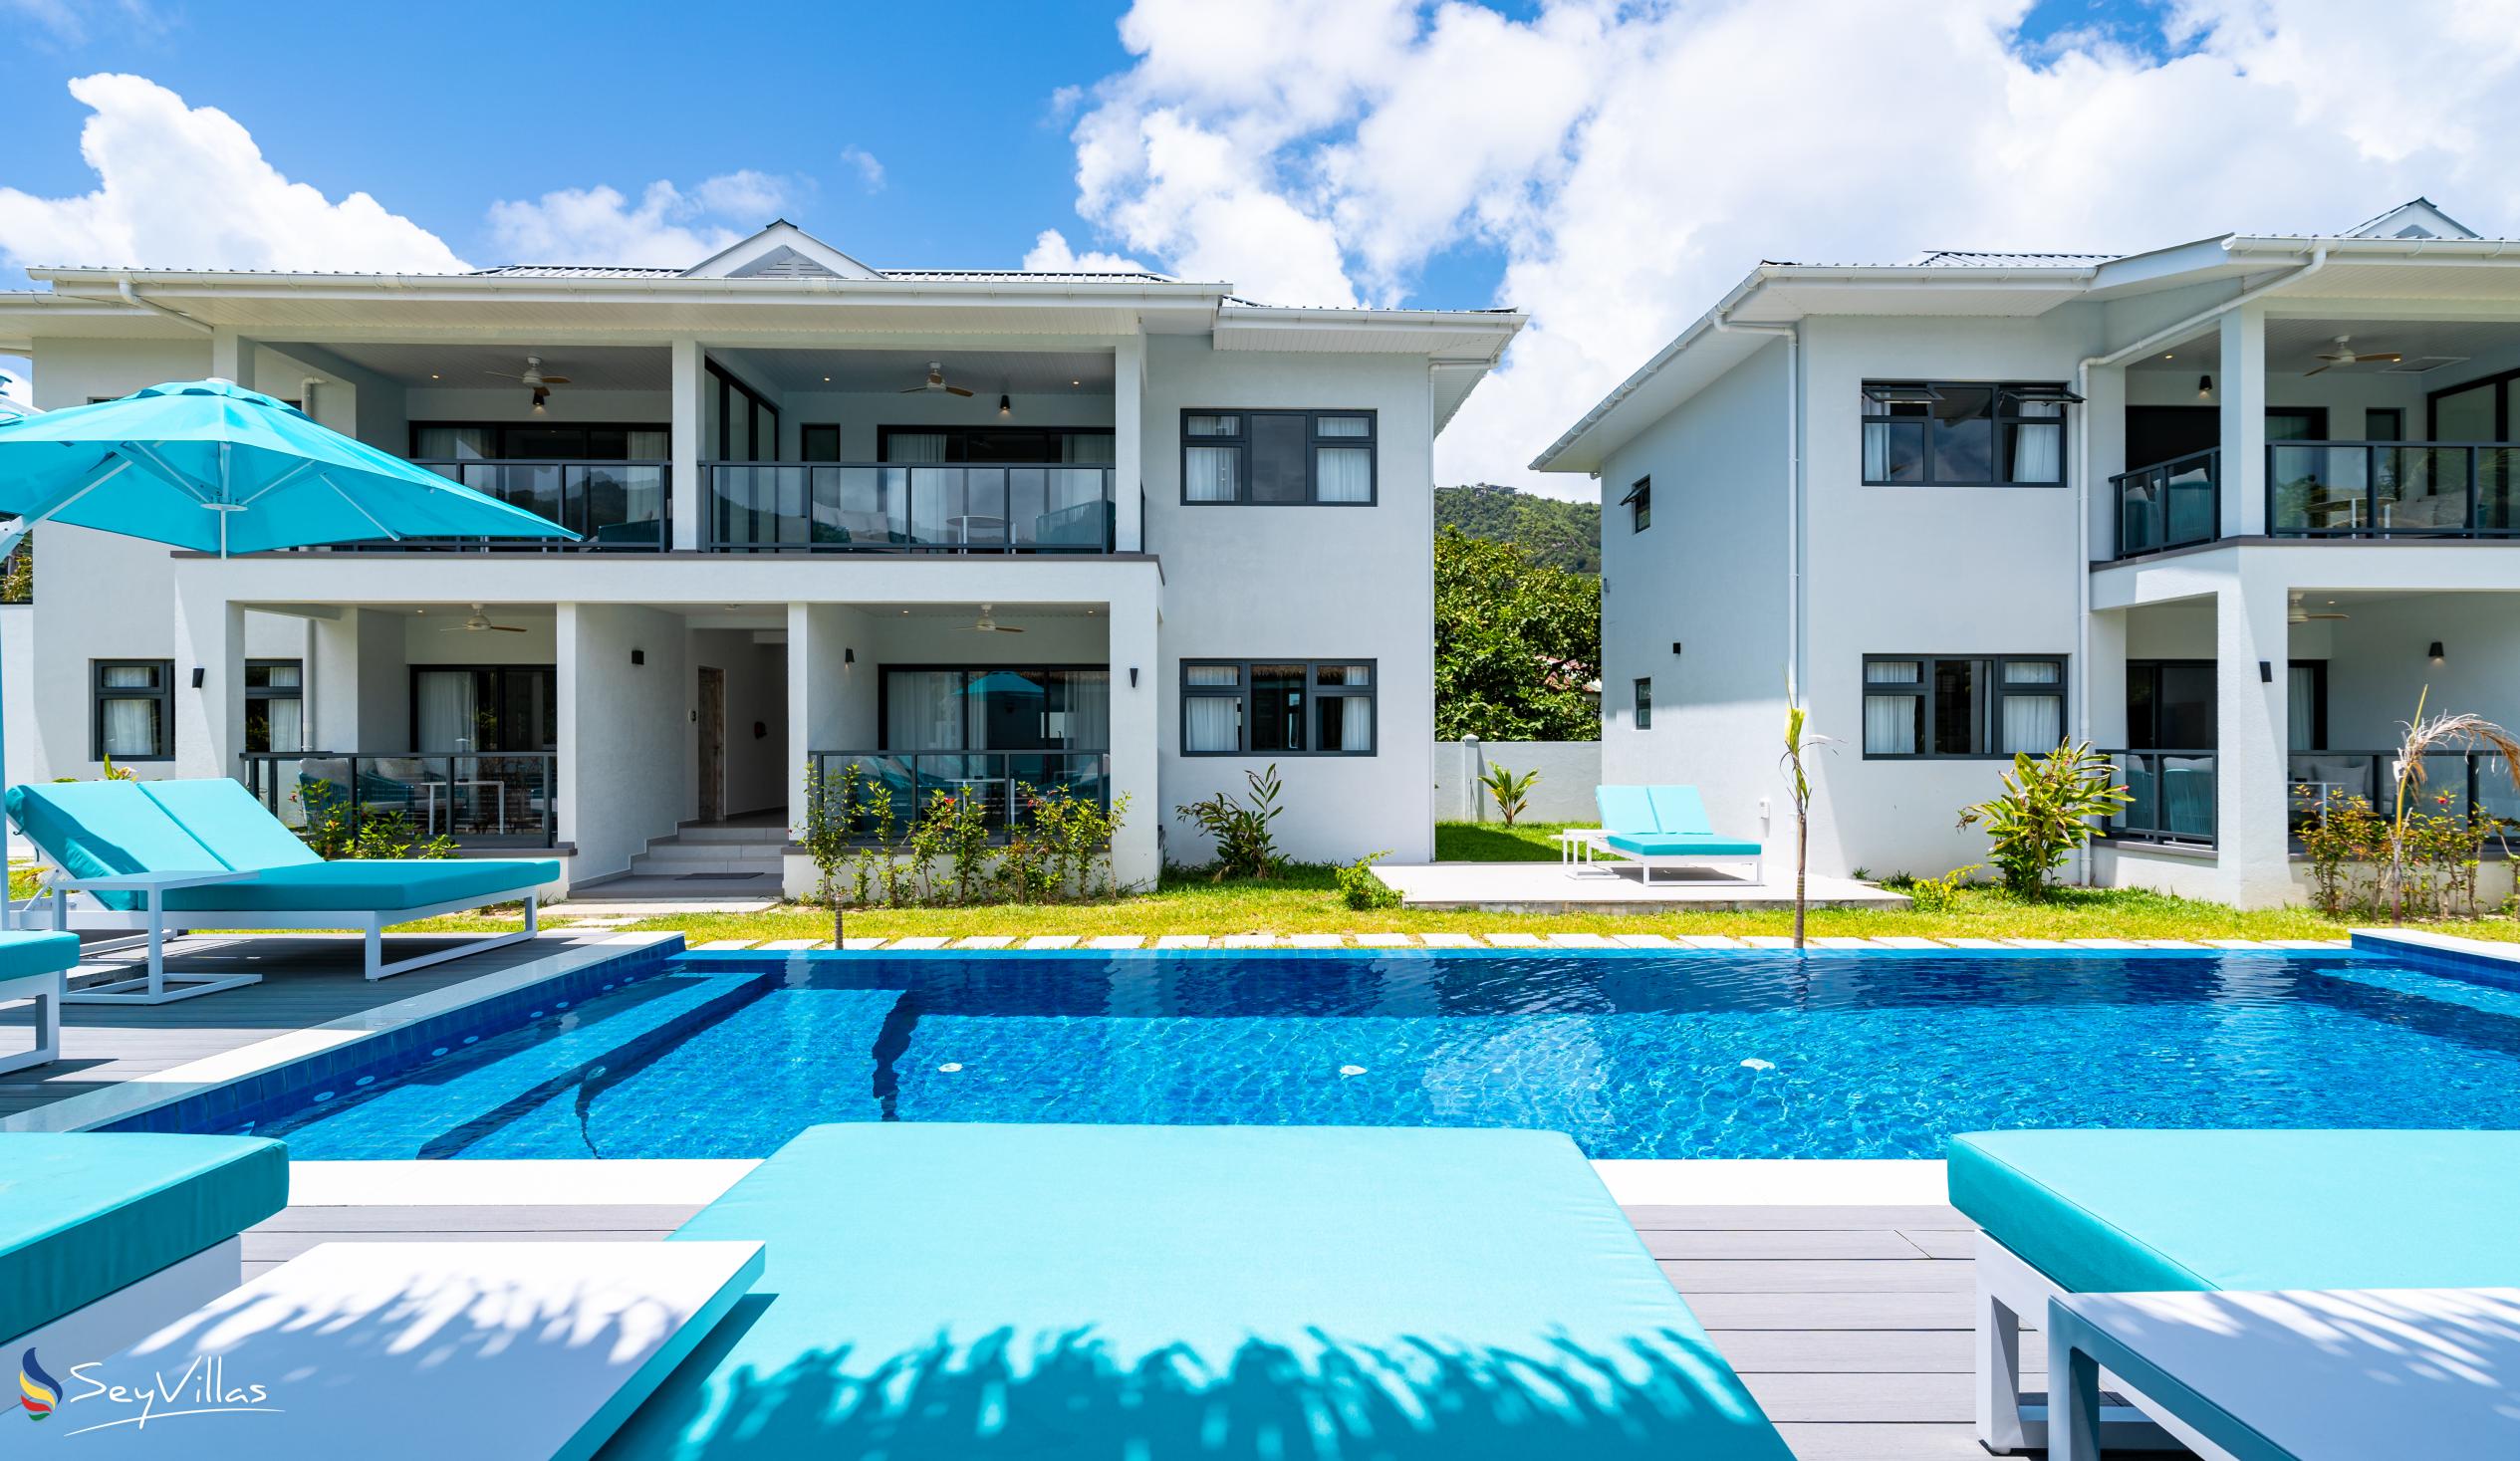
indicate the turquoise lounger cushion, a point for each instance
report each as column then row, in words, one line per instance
column 84, row 1213
column 95, row 829
column 2130, row 1211
column 1655, row 845
column 1625, row 809
column 24, row 952
column 1160, row 1294
column 1680, row 810
column 224, row 816
column 381, row 886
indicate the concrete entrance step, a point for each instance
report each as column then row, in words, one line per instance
column 718, row 832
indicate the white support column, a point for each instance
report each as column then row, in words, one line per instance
column 1129, row 442
column 2103, row 720
column 688, row 496
column 2251, row 764
column 1136, row 733
column 209, row 726
column 2241, row 386
column 574, row 781
column 233, row 357
column 2104, row 426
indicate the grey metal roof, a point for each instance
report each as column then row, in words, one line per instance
column 574, row 271
column 1143, row 275
column 1979, row 259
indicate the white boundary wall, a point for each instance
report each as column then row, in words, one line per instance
column 1569, row 771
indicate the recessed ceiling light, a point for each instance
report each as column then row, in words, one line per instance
column 1075, row 383
column 434, row 376
column 2170, row 358
column 827, row 381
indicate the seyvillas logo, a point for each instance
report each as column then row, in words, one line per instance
column 37, row 1392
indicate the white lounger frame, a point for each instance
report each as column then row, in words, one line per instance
column 1577, row 854
column 70, row 908
column 2008, row 1420
column 47, row 990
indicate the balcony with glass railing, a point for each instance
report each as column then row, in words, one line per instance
column 2175, row 504
column 2393, row 489
column 613, row 506
column 2172, row 797
column 1006, row 783
column 474, row 798
column 846, row 507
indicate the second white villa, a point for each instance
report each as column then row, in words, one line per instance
column 2225, row 509
column 1120, row 533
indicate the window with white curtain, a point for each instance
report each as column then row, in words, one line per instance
column 1950, row 433
column 1280, row 457
column 134, row 709
column 275, row 705
column 1929, row 706
column 1279, row 707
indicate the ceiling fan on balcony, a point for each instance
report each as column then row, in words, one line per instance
column 480, row 622
column 2295, row 613
column 533, row 380
column 936, row 381
column 2345, row 354
column 987, row 624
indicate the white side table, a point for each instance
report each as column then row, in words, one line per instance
column 1576, row 849
column 158, row 987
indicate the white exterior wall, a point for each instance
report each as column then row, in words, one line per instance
column 1710, row 573
column 626, row 766
column 1303, row 583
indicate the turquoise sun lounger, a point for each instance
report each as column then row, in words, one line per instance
column 164, row 857
column 1162, row 1294
column 105, row 1235
column 1666, row 826
column 2111, row 1212
column 36, row 966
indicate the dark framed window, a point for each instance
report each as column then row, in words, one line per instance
column 1644, row 704
column 275, row 705
column 484, row 708
column 1952, row 434
column 491, row 441
column 1279, row 458
column 1937, row 706
column 1083, row 446
column 1277, row 707
column 747, row 423
column 134, row 709
column 817, row 442
column 2170, row 705
column 1640, row 505
column 995, row 707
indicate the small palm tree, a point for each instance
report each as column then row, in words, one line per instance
column 2444, row 732
column 1800, row 741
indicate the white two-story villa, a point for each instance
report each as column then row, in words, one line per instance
column 1119, row 533
column 2225, row 509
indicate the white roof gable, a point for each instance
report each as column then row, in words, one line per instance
column 781, row 251
column 2416, row 218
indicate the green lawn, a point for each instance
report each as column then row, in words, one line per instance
column 1490, row 841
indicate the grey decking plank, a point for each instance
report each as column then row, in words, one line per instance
column 1833, row 1310
column 1819, row 1275
column 1887, row 1443
column 1857, row 1351
column 1647, row 1216
column 266, row 1246
column 1934, row 1243
column 1905, row 1399
column 1753, row 1243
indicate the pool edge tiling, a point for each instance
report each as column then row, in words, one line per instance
column 197, row 1095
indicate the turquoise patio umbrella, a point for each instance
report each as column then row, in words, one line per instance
column 212, row 467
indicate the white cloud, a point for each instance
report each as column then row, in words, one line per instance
column 1632, row 163
column 1050, row 253
column 66, row 22
column 180, row 187
column 598, row 225
column 868, row 168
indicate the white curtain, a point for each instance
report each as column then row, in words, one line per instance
column 1087, row 449
column 1214, row 723
column 1343, row 473
column 2033, row 723
column 2301, row 708
column 2038, row 453
column 130, row 726
column 1356, row 723
column 923, row 709
column 452, row 443
column 1876, row 452
column 448, row 708
column 1211, row 473
column 1089, row 710
column 651, row 446
column 915, row 446
column 286, row 719
column 1889, row 725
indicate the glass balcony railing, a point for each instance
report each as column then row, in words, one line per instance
column 2173, row 797
column 2172, row 505
column 2393, row 489
column 840, row 506
column 2467, row 785
column 1004, row 782
column 479, row 798
column 610, row 506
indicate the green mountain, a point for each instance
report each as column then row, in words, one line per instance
column 1566, row 535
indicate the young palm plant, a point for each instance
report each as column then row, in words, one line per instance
column 1800, row 741
column 2445, row 732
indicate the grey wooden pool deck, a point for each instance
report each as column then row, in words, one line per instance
column 1850, row 1324
column 308, row 979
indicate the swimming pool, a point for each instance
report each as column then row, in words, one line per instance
column 1636, row 1054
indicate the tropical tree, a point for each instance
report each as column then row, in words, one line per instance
column 2044, row 812
column 1800, row 742
column 1516, row 644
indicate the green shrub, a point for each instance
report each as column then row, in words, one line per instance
column 1510, row 792
column 1940, row 895
column 2044, row 812
column 1244, row 846
column 1362, row 889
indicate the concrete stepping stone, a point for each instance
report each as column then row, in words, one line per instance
column 2170, row 943
column 1643, row 940
column 1448, row 941
column 864, row 943
column 1977, row 943
column 1838, row 942
column 1318, row 941
column 1251, row 940
column 721, row 945
column 922, row 941
column 1767, row 941
column 1580, row 941
column 1182, row 941
column 1513, row 940
column 2103, row 943
column 2312, row 943
column 1385, row 941
column 2036, row 944
column 2233, row 943
column 1051, row 942
column 1115, row 941
column 988, row 941
column 1713, row 941
column 790, row 945
column 1905, row 941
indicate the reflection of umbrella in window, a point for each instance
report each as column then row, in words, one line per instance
column 1003, row 682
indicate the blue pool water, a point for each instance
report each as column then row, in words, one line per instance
column 1636, row 1055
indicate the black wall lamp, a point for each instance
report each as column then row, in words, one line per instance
column 1133, row 677
column 847, row 656
column 2435, row 654
column 1005, row 408
column 639, row 656
column 2205, row 387
column 199, row 672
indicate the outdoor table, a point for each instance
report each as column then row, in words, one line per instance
column 1576, row 849
column 482, row 786
column 2338, row 1374
column 153, row 886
